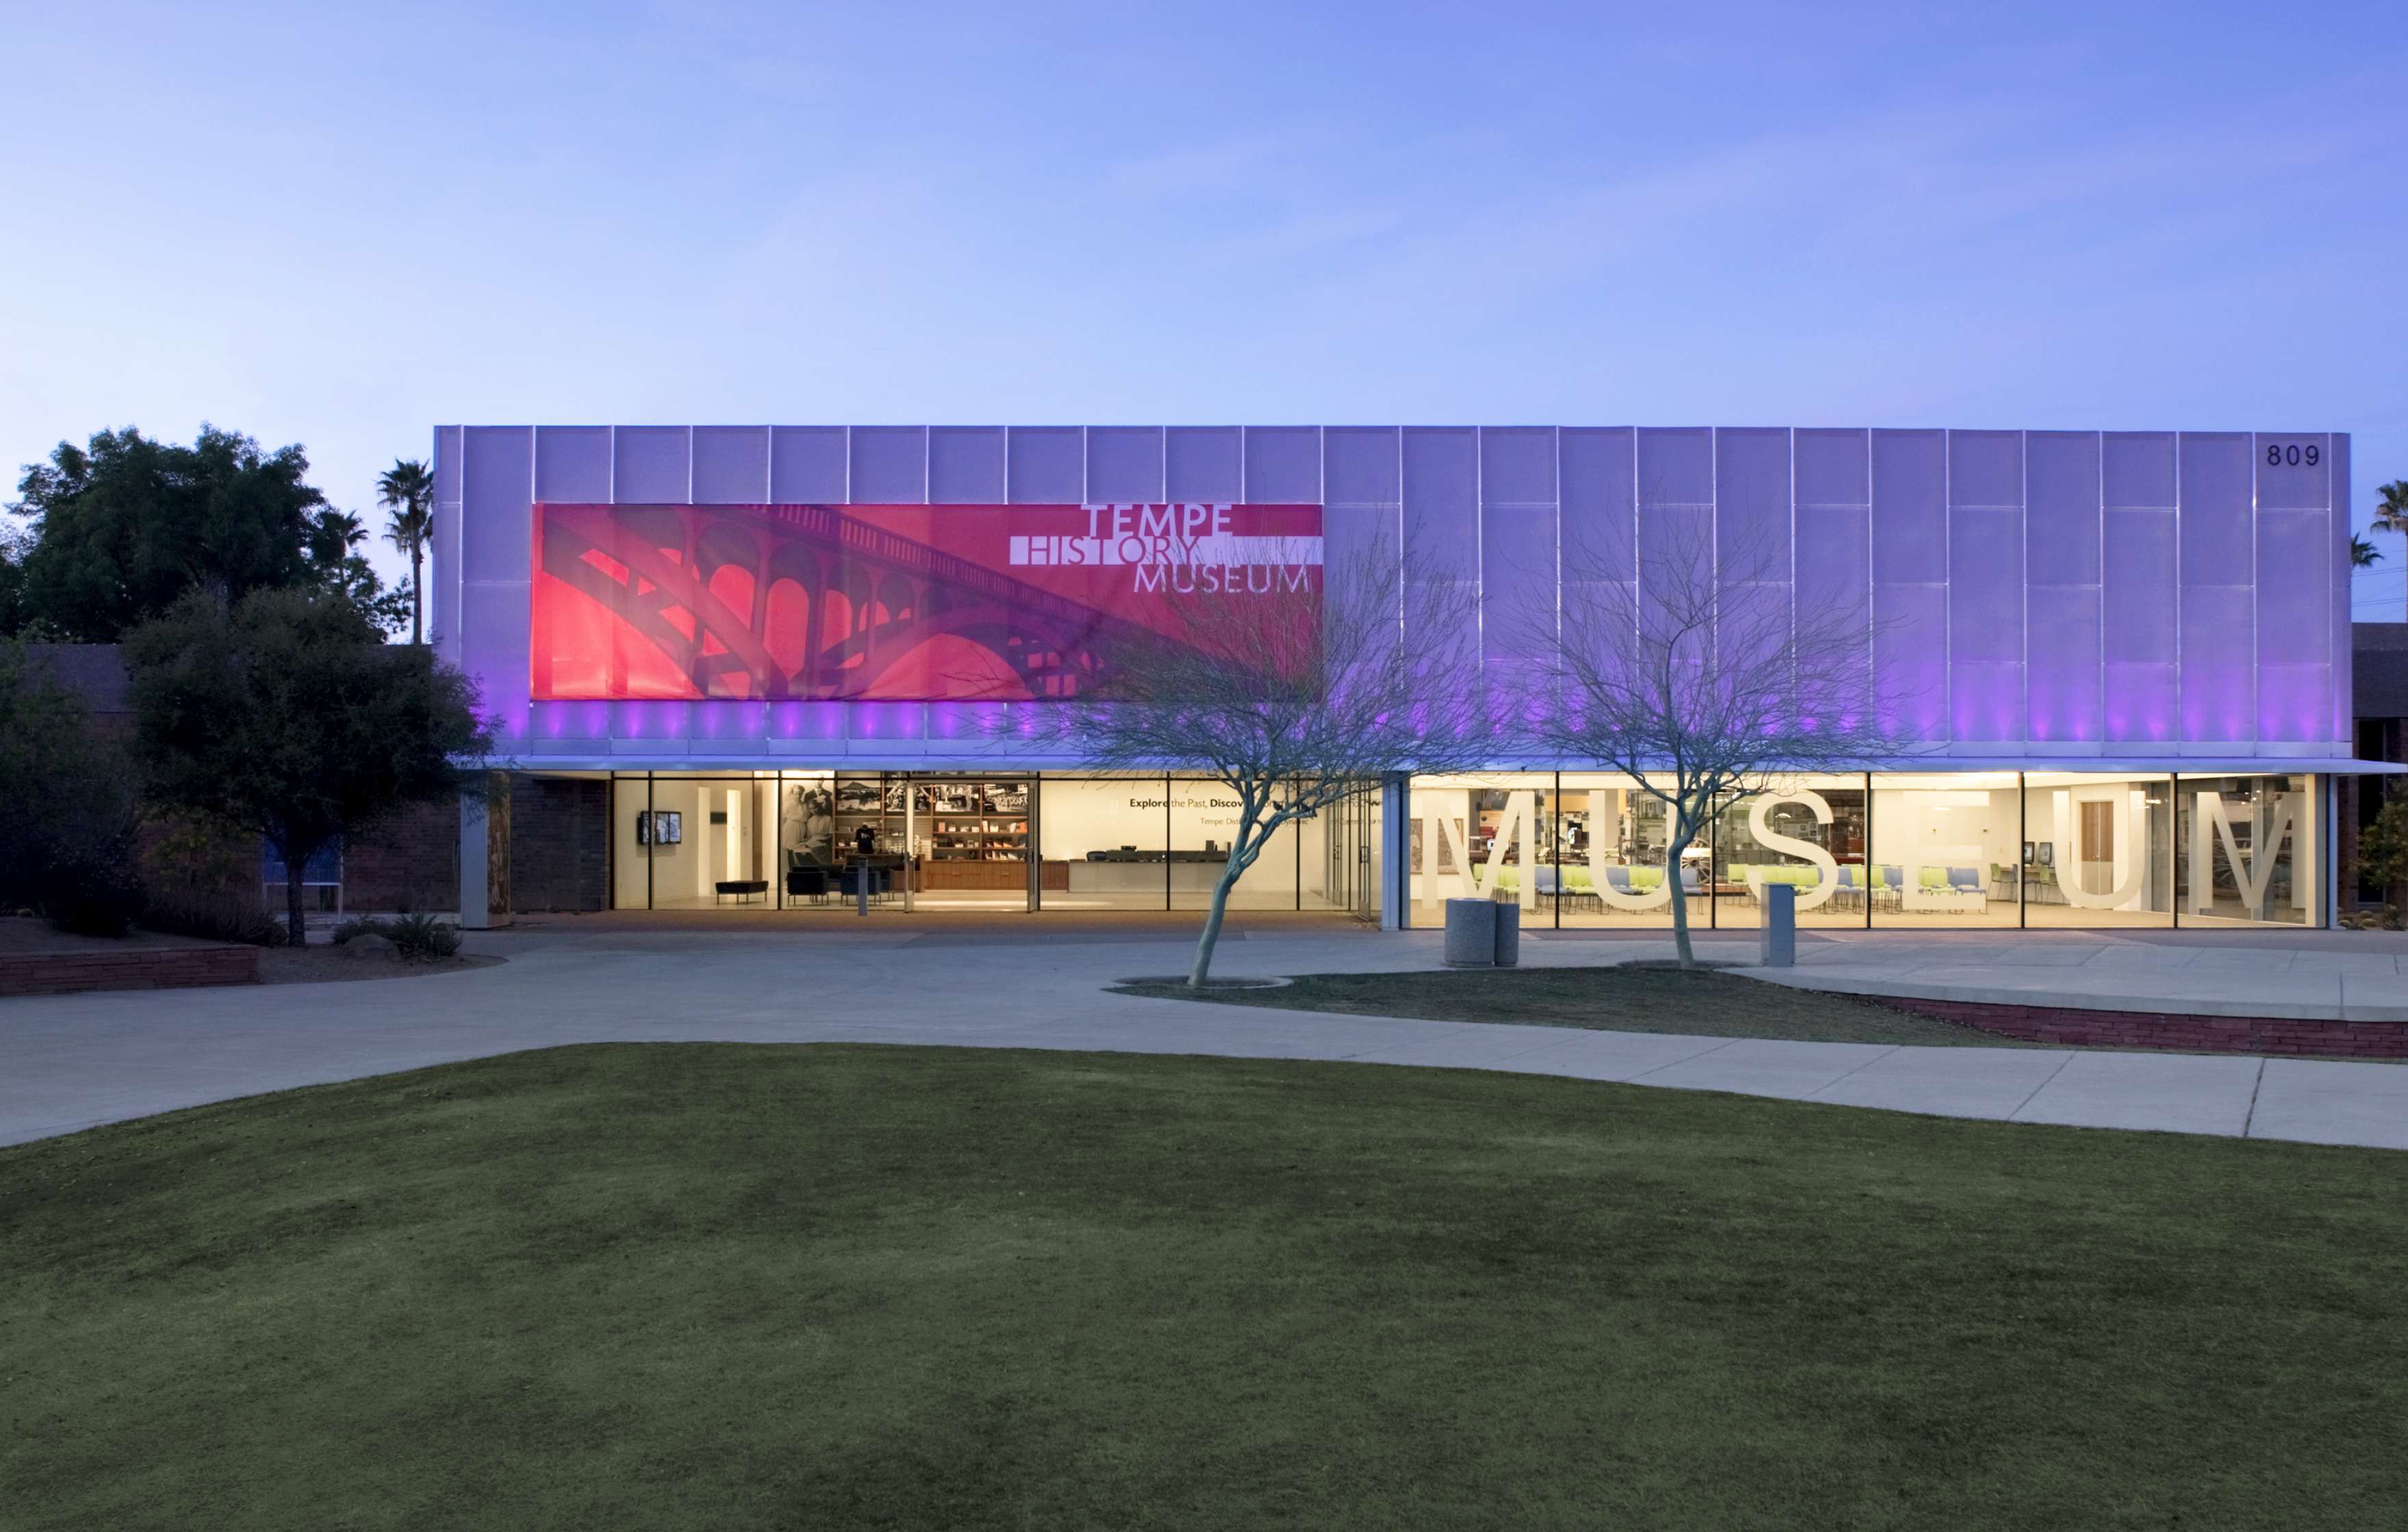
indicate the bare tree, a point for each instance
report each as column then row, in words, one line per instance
column 1293, row 700
column 1707, row 678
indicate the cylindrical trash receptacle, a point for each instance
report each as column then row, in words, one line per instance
column 1470, row 934
column 1780, row 924
column 1508, row 936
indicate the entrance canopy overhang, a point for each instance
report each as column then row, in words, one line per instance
column 2188, row 766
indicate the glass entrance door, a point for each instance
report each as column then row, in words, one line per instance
column 1350, row 870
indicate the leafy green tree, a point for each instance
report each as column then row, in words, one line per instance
column 2383, row 847
column 283, row 715
column 67, row 843
column 407, row 492
column 2391, row 507
column 335, row 539
column 12, row 579
column 123, row 526
column 119, row 528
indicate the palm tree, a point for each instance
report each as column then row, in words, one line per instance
column 2391, row 507
column 2362, row 555
column 407, row 492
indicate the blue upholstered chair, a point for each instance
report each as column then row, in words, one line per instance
column 1889, row 885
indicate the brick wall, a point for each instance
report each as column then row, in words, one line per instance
column 409, row 864
column 560, row 843
column 560, row 850
column 135, row 968
column 2068, row 1028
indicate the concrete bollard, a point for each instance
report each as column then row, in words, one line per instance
column 1780, row 924
column 1471, row 932
column 1508, row 936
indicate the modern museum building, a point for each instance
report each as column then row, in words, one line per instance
column 786, row 664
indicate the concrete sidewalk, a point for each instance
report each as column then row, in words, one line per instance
column 2312, row 975
column 73, row 1061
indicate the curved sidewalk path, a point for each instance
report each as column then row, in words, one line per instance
column 71, row 1062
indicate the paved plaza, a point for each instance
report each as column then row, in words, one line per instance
column 70, row 1062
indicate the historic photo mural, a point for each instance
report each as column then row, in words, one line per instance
column 929, row 603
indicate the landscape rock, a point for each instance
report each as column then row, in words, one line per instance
column 367, row 944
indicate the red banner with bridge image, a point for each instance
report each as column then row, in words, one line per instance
column 887, row 603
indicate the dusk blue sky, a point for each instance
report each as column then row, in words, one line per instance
column 342, row 224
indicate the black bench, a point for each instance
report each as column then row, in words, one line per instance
column 741, row 889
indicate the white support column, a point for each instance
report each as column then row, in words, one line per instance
column 1396, row 860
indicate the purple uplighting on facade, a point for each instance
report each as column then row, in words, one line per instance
column 2050, row 595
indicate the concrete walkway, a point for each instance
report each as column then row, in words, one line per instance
column 2357, row 976
column 73, row 1061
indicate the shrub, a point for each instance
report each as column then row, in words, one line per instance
column 87, row 895
column 423, row 935
column 212, row 917
column 413, row 935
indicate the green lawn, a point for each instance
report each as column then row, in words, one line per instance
column 672, row 1286
column 1618, row 999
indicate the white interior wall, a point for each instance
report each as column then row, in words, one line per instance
column 1941, row 828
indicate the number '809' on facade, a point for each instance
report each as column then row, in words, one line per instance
column 783, row 663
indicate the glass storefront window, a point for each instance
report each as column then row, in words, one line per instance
column 966, row 839
column 1491, row 836
column 1808, row 832
column 2248, row 846
column 631, row 884
column 2098, row 849
column 1104, row 840
column 1945, row 849
column 807, row 839
column 1341, row 856
column 692, row 842
column 1929, row 851
column 1203, row 826
column 1610, row 848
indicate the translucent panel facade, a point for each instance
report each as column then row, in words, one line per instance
column 2037, row 594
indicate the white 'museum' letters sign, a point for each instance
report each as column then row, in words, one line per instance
column 2253, row 871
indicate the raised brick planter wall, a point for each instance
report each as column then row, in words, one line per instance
column 136, row 969
column 2068, row 1028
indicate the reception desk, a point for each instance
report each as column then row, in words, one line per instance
column 1133, row 875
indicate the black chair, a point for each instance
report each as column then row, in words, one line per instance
column 880, row 881
column 808, row 884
